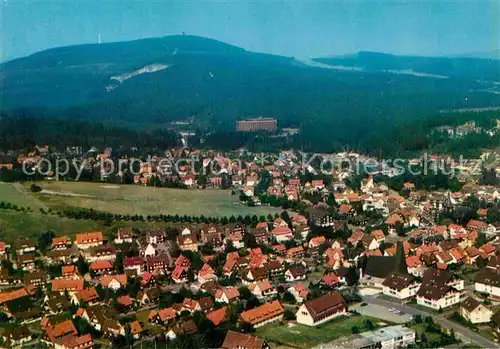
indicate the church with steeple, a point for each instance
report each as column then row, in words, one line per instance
column 399, row 283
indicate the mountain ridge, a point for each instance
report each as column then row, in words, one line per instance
column 218, row 83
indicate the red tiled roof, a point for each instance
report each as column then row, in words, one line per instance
column 281, row 231
column 261, row 313
column 87, row 295
column 206, row 270
column 100, row 265
column 11, row 295
column 330, row 279
column 106, row 279
column 125, row 300
column 68, row 269
column 219, row 316
column 85, row 237
column 67, row 284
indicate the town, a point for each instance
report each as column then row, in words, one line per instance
column 377, row 258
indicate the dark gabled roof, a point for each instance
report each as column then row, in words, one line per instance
column 318, row 213
column 259, row 232
column 258, row 272
column 434, row 291
column 470, row 304
column 494, row 262
column 17, row 333
column 205, row 303
column 488, row 276
column 274, row 265
column 19, row 305
column 297, row 271
column 210, row 287
column 437, row 276
column 322, row 305
column 379, row 266
column 400, row 264
column 398, row 281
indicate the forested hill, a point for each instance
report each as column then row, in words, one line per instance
column 152, row 81
column 486, row 70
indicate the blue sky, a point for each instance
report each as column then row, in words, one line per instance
column 294, row 28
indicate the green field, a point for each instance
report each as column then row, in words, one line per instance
column 124, row 199
column 135, row 199
column 301, row 336
column 20, row 195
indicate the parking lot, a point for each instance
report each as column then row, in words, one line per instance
column 381, row 312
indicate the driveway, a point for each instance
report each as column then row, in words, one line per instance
column 463, row 333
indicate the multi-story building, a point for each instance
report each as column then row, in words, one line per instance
column 320, row 310
column 264, row 314
column 257, row 124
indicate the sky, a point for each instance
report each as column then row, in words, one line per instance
column 302, row 29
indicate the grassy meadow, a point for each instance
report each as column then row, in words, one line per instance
column 135, row 199
column 301, row 336
column 120, row 199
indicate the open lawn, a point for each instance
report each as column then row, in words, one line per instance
column 125, row 199
column 15, row 224
column 301, row 336
column 420, row 329
column 20, row 195
column 135, row 199
column 142, row 317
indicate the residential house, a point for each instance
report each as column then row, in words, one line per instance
column 262, row 289
column 149, row 295
column 164, row 316
column 124, row 235
column 16, row 336
column 101, row 267
column 25, row 245
column 87, row 296
column 261, row 235
column 87, row 240
column 227, row 295
column 134, row 263
column 158, row 264
column 180, row 274
column 206, row 274
column 114, row 282
column 437, row 291
column 187, row 241
column 219, row 316
column 314, row 244
column 237, row 340
column 320, row 217
column 211, row 235
column 295, row 273
column 487, row 281
column 299, row 291
column 61, row 243
column 282, row 233
column 474, row 311
column 67, row 285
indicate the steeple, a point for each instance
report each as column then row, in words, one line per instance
column 400, row 265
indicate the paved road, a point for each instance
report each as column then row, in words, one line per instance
column 461, row 332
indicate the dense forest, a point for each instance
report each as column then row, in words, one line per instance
column 24, row 129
